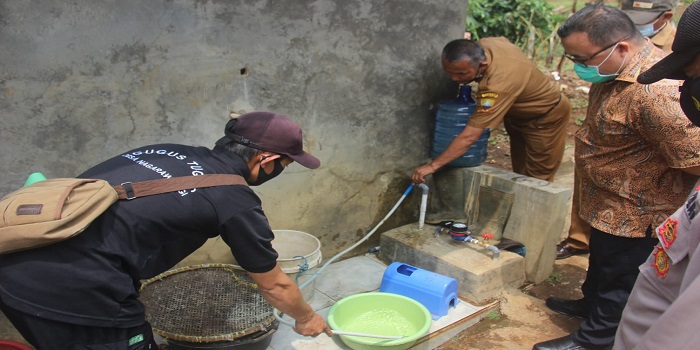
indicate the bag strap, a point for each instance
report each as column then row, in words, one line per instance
column 131, row 190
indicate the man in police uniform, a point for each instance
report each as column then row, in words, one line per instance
column 510, row 90
column 662, row 311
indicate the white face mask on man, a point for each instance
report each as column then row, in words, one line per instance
column 648, row 29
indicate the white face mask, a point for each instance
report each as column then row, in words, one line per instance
column 648, row 29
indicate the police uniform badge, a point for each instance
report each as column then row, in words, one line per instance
column 660, row 262
column 486, row 101
column 668, row 232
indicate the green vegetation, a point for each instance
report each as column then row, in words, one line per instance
column 493, row 315
column 555, row 276
column 578, row 103
column 529, row 24
column 532, row 25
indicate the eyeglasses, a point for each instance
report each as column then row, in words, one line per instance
column 581, row 61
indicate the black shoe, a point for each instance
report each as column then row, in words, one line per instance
column 564, row 250
column 577, row 308
column 563, row 343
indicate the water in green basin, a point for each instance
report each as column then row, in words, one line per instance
column 381, row 321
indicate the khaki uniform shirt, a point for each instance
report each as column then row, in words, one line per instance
column 512, row 87
column 664, row 38
column 630, row 150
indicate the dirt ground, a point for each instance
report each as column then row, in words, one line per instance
column 524, row 319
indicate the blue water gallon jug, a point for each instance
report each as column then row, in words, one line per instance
column 451, row 118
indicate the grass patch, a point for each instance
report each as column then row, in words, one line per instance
column 579, row 103
column 493, row 315
column 554, row 277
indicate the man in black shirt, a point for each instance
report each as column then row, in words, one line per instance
column 82, row 293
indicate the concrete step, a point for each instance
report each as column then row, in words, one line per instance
column 480, row 278
column 478, row 196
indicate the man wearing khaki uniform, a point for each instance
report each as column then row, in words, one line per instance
column 653, row 19
column 512, row 90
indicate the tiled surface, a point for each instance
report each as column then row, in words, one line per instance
column 348, row 277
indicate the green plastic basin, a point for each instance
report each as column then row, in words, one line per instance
column 382, row 314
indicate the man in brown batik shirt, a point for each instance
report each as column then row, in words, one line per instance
column 637, row 157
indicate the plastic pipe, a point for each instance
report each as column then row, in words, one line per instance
column 423, row 205
column 275, row 312
column 496, row 251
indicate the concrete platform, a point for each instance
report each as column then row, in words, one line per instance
column 480, row 196
column 364, row 274
column 480, row 278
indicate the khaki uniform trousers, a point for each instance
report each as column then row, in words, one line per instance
column 579, row 230
column 537, row 146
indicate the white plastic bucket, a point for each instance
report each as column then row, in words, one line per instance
column 299, row 257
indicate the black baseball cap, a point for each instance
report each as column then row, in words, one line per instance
column 686, row 46
column 272, row 132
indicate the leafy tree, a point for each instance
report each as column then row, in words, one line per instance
column 529, row 24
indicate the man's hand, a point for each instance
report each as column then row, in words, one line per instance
column 421, row 172
column 312, row 326
column 282, row 293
